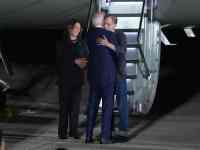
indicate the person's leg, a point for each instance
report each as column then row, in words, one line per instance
column 113, row 114
column 107, row 100
column 63, row 112
column 92, row 109
column 122, row 103
column 2, row 142
column 74, row 113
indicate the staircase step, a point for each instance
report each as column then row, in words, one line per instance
column 131, row 69
column 127, row 0
column 131, row 77
column 130, row 92
column 127, row 15
column 132, row 54
column 126, row 7
column 133, row 45
column 131, row 37
column 132, row 61
column 128, row 23
column 128, row 30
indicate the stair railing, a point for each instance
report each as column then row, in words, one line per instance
column 91, row 10
column 143, row 60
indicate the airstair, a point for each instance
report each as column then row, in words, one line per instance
column 136, row 20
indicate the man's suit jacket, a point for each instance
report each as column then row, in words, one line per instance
column 121, row 54
column 102, row 60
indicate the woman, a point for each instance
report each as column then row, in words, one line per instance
column 71, row 63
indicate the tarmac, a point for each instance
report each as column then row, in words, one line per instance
column 173, row 123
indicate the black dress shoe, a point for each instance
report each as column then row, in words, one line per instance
column 76, row 135
column 88, row 140
column 62, row 137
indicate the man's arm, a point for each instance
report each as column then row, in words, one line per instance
column 118, row 46
column 121, row 43
column 104, row 41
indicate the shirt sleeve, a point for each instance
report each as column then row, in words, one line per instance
column 121, row 43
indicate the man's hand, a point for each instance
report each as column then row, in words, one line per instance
column 81, row 62
column 104, row 41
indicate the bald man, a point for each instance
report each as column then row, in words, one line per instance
column 101, row 76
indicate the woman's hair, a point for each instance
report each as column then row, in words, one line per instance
column 72, row 22
column 69, row 25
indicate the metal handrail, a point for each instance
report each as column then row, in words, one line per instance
column 147, row 74
column 92, row 3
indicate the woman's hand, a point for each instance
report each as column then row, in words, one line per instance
column 104, row 41
column 81, row 62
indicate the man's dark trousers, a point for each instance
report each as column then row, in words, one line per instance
column 96, row 93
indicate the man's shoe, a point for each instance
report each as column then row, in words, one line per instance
column 62, row 137
column 120, row 132
column 88, row 140
column 123, row 133
column 76, row 135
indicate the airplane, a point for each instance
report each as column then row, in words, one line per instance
column 141, row 20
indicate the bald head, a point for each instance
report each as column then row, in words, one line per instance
column 98, row 19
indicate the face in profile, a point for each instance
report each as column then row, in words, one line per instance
column 109, row 24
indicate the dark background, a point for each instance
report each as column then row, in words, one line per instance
column 179, row 70
column 30, row 46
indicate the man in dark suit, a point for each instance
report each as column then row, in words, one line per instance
column 101, row 76
column 110, row 24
